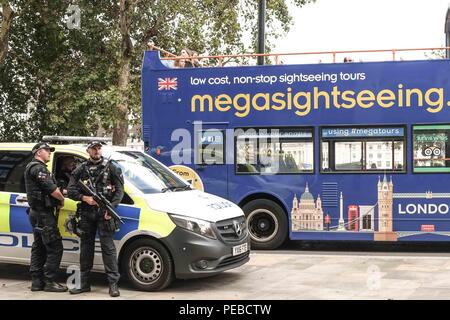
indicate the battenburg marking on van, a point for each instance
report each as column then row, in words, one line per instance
column 149, row 219
column 19, row 220
column 4, row 212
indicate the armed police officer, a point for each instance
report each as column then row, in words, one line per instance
column 106, row 178
column 44, row 199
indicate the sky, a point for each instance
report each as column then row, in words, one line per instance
column 336, row 25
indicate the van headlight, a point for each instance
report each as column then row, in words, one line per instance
column 198, row 226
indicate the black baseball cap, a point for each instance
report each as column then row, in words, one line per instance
column 94, row 144
column 42, row 145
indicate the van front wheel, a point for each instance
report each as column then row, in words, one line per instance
column 267, row 224
column 148, row 265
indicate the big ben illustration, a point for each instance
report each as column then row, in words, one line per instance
column 385, row 211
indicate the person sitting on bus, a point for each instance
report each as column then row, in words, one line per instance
column 281, row 163
column 195, row 62
column 184, row 63
column 348, row 59
column 289, row 160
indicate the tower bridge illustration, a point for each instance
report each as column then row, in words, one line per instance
column 307, row 214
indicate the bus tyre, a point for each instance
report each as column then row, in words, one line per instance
column 267, row 224
column 148, row 265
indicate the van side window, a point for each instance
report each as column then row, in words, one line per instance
column 12, row 168
column 63, row 165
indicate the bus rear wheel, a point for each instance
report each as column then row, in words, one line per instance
column 267, row 224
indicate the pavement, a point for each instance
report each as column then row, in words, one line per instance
column 311, row 273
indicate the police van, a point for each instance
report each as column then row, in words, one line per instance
column 170, row 230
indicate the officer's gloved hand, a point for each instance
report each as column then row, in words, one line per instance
column 89, row 200
column 107, row 216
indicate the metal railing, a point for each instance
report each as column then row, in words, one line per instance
column 276, row 56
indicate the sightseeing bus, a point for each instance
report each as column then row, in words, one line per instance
column 327, row 151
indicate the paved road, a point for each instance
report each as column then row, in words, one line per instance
column 312, row 273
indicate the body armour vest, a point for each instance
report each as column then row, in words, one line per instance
column 39, row 184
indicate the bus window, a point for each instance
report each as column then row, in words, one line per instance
column 362, row 149
column 431, row 148
column 379, row 155
column 325, row 156
column 399, row 156
column 348, row 156
column 274, row 150
column 246, row 156
column 210, row 147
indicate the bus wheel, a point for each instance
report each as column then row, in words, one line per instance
column 148, row 265
column 267, row 224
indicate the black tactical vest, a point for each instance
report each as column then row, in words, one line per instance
column 37, row 198
column 99, row 175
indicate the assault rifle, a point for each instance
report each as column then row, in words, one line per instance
column 102, row 202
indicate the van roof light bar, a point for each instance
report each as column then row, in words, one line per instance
column 74, row 139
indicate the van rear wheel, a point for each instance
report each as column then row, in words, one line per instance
column 267, row 224
column 148, row 265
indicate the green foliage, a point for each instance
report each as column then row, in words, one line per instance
column 57, row 80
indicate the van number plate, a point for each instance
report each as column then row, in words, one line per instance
column 240, row 249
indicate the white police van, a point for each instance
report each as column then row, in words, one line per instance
column 170, row 230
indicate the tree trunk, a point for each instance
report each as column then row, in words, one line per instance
column 5, row 30
column 120, row 133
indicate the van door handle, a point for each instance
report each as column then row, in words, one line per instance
column 22, row 199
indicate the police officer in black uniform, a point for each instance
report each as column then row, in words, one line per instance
column 106, row 177
column 44, row 198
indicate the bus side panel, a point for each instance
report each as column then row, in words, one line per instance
column 375, row 206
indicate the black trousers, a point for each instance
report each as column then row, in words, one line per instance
column 47, row 248
column 89, row 225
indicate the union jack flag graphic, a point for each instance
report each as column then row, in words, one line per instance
column 167, row 84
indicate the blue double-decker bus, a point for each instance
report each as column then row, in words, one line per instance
column 339, row 151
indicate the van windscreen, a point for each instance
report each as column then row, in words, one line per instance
column 149, row 176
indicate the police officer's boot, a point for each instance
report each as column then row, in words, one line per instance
column 52, row 286
column 37, row 284
column 114, row 290
column 80, row 290
column 85, row 287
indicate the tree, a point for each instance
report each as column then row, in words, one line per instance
column 120, row 133
column 5, row 28
column 65, row 81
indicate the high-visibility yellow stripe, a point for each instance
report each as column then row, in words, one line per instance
column 4, row 211
column 152, row 220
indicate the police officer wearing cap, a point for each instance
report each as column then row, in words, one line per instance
column 44, row 198
column 106, row 177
